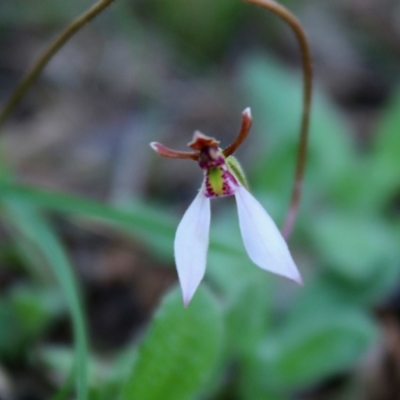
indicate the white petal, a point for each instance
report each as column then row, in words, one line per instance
column 191, row 244
column 262, row 239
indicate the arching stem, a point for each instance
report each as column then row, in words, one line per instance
column 301, row 36
column 47, row 55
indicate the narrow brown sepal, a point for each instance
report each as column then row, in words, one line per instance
column 164, row 151
column 247, row 121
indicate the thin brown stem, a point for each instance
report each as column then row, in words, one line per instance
column 244, row 131
column 301, row 36
column 47, row 55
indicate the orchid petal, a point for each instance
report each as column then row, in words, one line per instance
column 191, row 244
column 262, row 239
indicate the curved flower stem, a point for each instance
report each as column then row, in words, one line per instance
column 47, row 55
column 301, row 36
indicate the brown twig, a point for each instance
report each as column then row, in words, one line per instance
column 47, row 55
column 301, row 36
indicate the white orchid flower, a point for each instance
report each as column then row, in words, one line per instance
column 223, row 176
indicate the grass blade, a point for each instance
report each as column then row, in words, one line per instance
column 35, row 228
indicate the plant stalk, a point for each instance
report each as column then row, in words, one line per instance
column 301, row 36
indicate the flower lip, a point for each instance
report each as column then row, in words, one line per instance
column 206, row 147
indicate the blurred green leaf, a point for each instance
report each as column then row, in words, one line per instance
column 275, row 95
column 382, row 180
column 25, row 313
column 315, row 347
column 105, row 377
column 200, row 28
column 34, row 227
column 248, row 319
column 328, row 290
column 248, row 316
column 61, row 360
column 117, row 373
column 251, row 387
column 34, row 308
column 64, row 392
column 30, row 259
column 352, row 246
column 375, row 180
column 144, row 221
column 229, row 270
column 179, row 351
column 141, row 220
column 11, row 334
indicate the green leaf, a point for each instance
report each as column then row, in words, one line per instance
column 330, row 289
column 118, row 370
column 382, row 180
column 144, row 221
column 11, row 336
column 275, row 95
column 198, row 37
column 179, row 351
column 25, row 313
column 248, row 316
column 35, row 228
column 375, row 180
column 62, row 360
column 141, row 220
column 105, row 375
column 64, row 391
column 353, row 247
column 35, row 308
column 319, row 344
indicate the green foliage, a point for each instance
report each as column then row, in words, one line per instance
column 275, row 95
column 200, row 28
column 180, row 350
column 327, row 342
column 353, row 247
column 34, row 228
column 248, row 317
column 142, row 220
column 382, row 169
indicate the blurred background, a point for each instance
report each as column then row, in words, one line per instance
column 88, row 211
